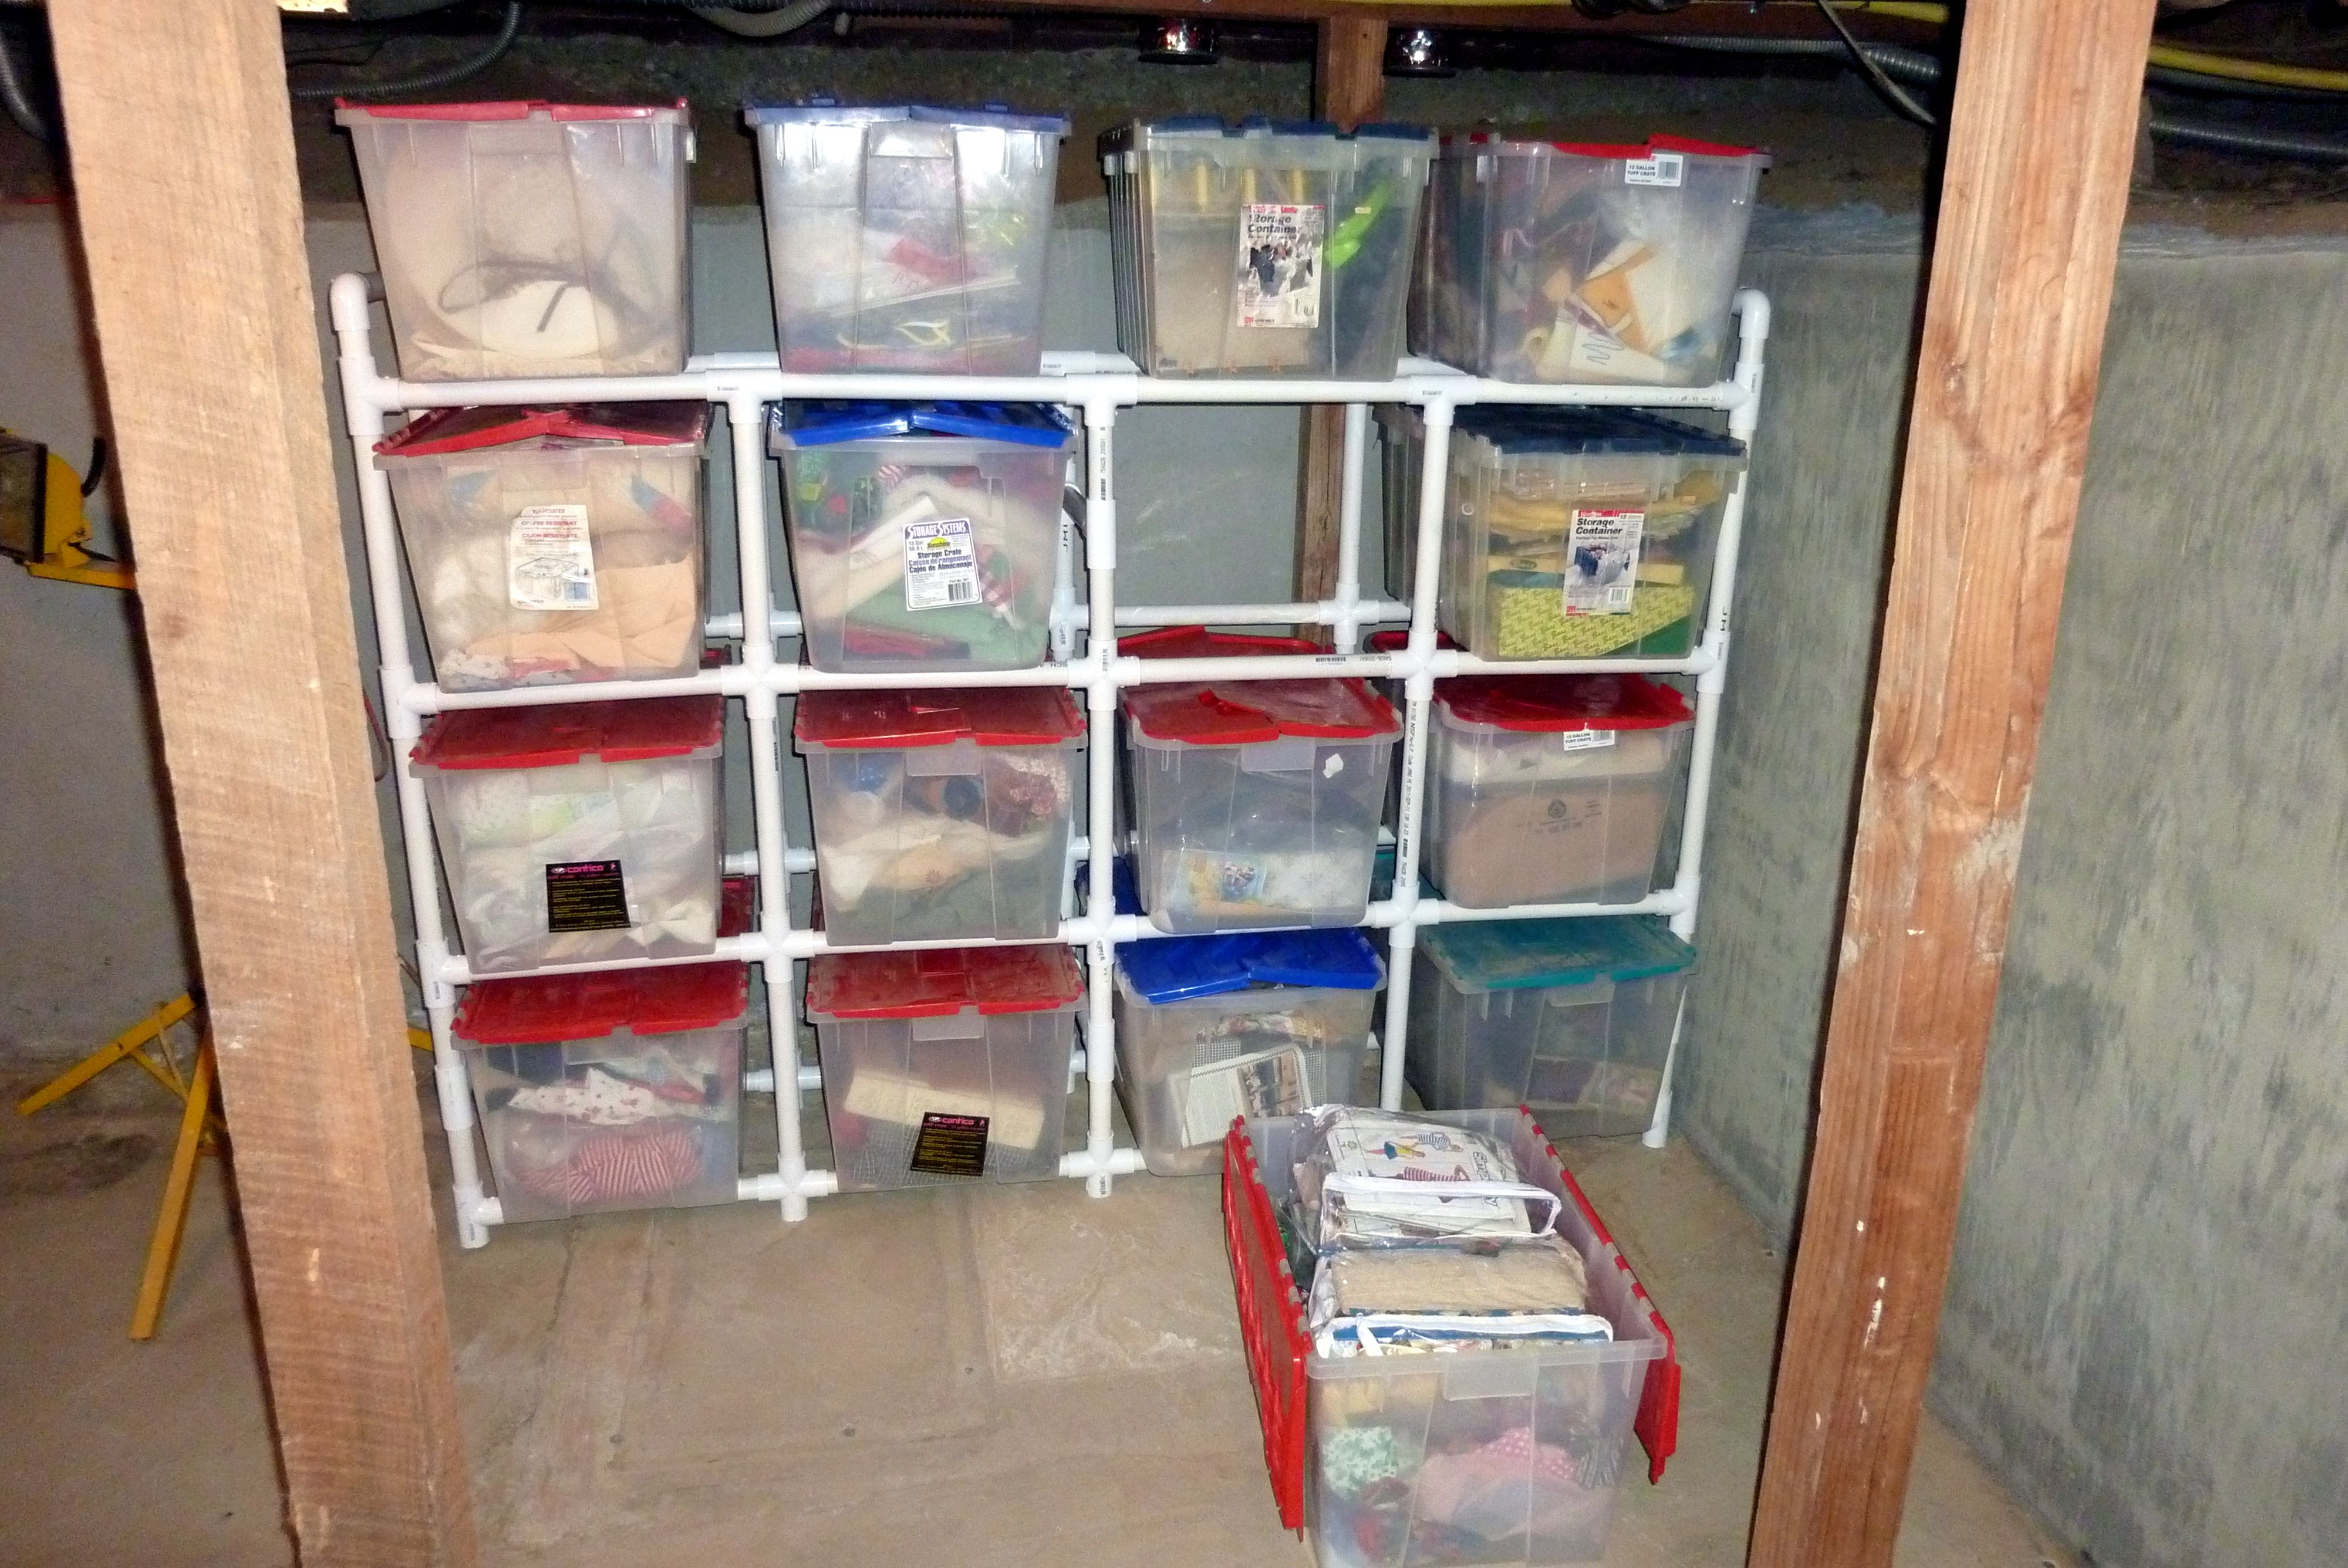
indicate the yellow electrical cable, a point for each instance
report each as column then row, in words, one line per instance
column 2193, row 60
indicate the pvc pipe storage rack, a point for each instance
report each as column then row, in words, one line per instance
column 1096, row 386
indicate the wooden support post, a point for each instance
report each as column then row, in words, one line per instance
column 2037, row 184
column 1349, row 87
column 190, row 222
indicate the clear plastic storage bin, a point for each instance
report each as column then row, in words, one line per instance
column 1581, row 533
column 1490, row 1456
column 577, row 834
column 1267, row 249
column 613, row 1091
column 1211, row 1028
column 521, row 239
column 945, row 1063
column 1557, row 262
column 1573, row 1017
column 941, row 814
column 1551, row 789
column 1258, row 800
column 553, row 545
column 923, row 535
column 908, row 239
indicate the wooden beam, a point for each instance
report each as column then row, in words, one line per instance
column 1349, row 87
column 2043, row 135
column 190, row 220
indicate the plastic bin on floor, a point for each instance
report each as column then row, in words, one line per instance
column 553, row 545
column 1561, row 261
column 1581, row 533
column 1266, row 249
column 1211, row 1028
column 1572, row 1016
column 614, row 1090
column 946, row 1064
column 923, row 535
column 1551, row 789
column 941, row 814
column 905, row 239
column 521, row 239
column 1483, row 1457
column 577, row 834
column 1258, row 800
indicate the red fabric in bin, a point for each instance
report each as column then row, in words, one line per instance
column 1272, row 1327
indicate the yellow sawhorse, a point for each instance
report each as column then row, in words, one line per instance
column 200, row 1129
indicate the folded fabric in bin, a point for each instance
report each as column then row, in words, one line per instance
column 1352, row 1182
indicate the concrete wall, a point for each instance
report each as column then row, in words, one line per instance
column 2148, row 1284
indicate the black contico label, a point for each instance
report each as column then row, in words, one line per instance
column 951, row 1145
column 586, row 895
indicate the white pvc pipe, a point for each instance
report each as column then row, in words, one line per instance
column 1101, row 384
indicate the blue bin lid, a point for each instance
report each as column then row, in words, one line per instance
column 1176, row 968
column 1574, row 432
column 829, row 424
column 827, row 111
column 1517, row 955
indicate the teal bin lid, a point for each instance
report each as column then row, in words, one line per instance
column 1521, row 955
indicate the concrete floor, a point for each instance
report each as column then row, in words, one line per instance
column 985, row 1375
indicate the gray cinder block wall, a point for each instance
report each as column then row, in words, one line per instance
column 2144, row 1324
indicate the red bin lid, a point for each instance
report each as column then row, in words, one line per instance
column 992, row 716
column 446, row 430
column 1198, row 642
column 1553, row 704
column 1243, row 712
column 550, row 737
column 933, row 982
column 509, row 108
column 538, row 1009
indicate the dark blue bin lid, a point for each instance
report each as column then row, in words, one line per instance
column 1518, row 955
column 825, row 111
column 1574, row 432
column 829, row 424
column 1176, row 968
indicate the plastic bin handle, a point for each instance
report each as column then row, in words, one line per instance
column 1403, row 1187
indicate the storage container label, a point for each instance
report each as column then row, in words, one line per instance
column 550, row 565
column 1601, row 561
column 1279, row 280
column 586, row 895
column 1265, row 1083
column 950, row 1145
column 1661, row 168
column 941, row 564
column 1588, row 740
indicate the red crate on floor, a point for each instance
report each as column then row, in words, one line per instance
column 1272, row 1305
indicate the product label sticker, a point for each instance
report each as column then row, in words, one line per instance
column 1587, row 740
column 1601, row 561
column 1279, row 279
column 1211, row 880
column 550, row 565
column 941, row 564
column 1266, row 1083
column 586, row 895
column 950, row 1145
column 1662, row 169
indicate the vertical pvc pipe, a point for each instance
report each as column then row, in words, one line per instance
column 743, row 415
column 1418, row 695
column 1752, row 333
column 1100, row 809
column 362, row 415
column 1064, row 587
column 1347, row 626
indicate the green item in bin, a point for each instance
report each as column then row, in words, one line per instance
column 1530, row 621
column 1346, row 242
column 1355, row 1458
